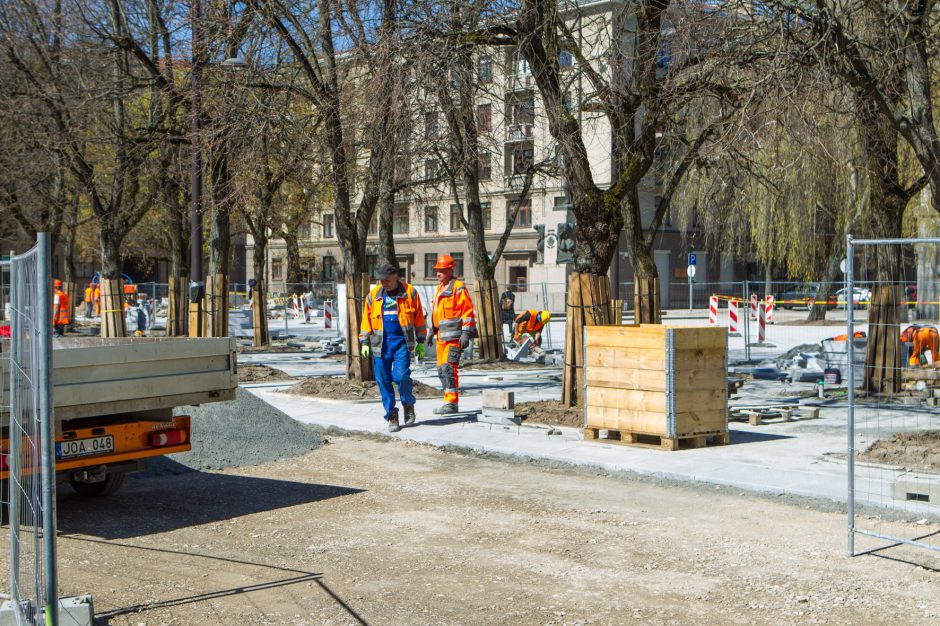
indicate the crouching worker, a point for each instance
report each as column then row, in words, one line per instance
column 452, row 324
column 919, row 340
column 531, row 323
column 392, row 329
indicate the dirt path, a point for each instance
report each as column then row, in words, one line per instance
column 379, row 532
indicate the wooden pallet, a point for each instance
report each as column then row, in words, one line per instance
column 758, row 416
column 718, row 438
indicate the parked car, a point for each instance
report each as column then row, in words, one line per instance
column 860, row 297
column 796, row 296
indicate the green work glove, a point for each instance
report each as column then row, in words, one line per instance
column 419, row 350
column 365, row 350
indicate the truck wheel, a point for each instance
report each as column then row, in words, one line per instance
column 106, row 487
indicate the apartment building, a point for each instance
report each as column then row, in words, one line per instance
column 514, row 135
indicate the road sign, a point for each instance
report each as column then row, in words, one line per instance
column 690, row 271
column 693, row 259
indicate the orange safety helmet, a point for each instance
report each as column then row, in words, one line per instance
column 445, row 262
column 57, row 283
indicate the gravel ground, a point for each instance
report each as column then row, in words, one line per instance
column 551, row 413
column 364, row 531
column 339, row 388
column 261, row 374
column 918, row 451
column 245, row 431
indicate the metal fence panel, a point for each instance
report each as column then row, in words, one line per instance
column 892, row 414
column 31, row 454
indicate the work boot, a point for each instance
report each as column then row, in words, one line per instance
column 393, row 426
column 448, row 408
column 409, row 414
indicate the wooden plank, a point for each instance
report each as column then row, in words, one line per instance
column 647, row 337
column 655, row 380
column 655, row 400
column 654, row 359
column 654, row 422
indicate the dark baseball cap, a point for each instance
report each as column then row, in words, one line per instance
column 385, row 271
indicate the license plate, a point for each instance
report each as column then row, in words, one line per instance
column 84, row 447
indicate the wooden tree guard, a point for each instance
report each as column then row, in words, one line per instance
column 659, row 381
column 646, row 301
column 177, row 314
column 112, row 308
column 217, row 306
column 259, row 315
column 74, row 298
column 357, row 367
column 488, row 319
column 588, row 303
column 883, row 352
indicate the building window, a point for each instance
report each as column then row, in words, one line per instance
column 524, row 217
column 487, row 211
column 276, row 269
column 519, row 159
column 329, row 265
column 561, row 203
column 372, row 260
column 485, row 167
column 430, row 260
column 519, row 278
column 565, row 59
column 456, row 213
column 327, row 225
column 430, row 219
column 521, row 111
column 485, row 70
column 484, row 118
column 400, row 225
column 304, row 231
column 458, row 263
column 430, row 125
column 431, row 169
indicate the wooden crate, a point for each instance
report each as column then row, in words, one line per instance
column 664, row 381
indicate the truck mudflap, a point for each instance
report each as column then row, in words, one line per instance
column 110, row 443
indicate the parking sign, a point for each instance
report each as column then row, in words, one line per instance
column 692, row 258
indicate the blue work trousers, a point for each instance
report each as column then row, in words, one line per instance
column 394, row 366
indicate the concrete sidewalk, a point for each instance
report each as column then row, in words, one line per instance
column 777, row 459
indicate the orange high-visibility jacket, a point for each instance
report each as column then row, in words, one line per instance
column 60, row 310
column 528, row 322
column 89, row 294
column 410, row 316
column 452, row 312
column 924, row 338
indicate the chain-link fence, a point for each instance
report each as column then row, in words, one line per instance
column 29, row 454
column 893, row 419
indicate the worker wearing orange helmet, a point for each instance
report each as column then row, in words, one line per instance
column 919, row 339
column 89, row 300
column 60, row 308
column 452, row 324
column 531, row 322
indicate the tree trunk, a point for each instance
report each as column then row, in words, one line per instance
column 259, row 295
column 295, row 273
column 220, row 247
column 386, row 219
column 928, row 268
column 830, row 278
column 647, row 307
column 357, row 367
column 112, row 308
column 69, row 278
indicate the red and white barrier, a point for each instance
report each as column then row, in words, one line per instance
column 327, row 314
column 769, row 303
column 762, row 324
column 754, row 306
column 733, row 318
column 713, row 311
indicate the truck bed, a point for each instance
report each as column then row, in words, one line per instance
column 96, row 376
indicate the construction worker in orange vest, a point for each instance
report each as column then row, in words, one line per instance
column 60, row 308
column 920, row 339
column 97, row 299
column 89, row 300
column 393, row 328
column 452, row 324
column 531, row 323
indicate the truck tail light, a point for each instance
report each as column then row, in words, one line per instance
column 165, row 438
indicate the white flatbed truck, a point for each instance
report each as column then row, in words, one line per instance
column 113, row 402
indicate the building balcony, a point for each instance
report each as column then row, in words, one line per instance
column 519, row 132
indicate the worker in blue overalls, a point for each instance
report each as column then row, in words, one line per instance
column 392, row 329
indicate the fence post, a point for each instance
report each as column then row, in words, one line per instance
column 548, row 327
column 850, row 353
column 47, row 430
